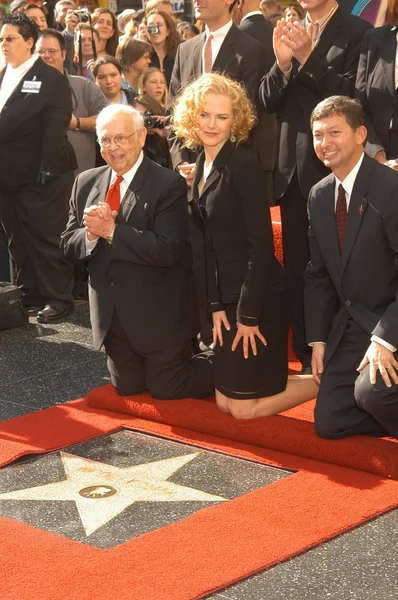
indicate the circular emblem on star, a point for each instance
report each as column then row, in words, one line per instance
column 96, row 492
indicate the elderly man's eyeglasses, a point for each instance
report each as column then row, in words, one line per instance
column 51, row 51
column 9, row 38
column 120, row 140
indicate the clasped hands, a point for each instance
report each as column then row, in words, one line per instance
column 377, row 356
column 245, row 333
column 291, row 40
column 99, row 221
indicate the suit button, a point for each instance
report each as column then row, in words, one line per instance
column 348, row 303
column 112, row 284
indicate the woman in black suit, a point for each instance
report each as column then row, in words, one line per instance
column 376, row 88
column 246, row 286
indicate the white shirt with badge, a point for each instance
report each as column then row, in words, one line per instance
column 13, row 77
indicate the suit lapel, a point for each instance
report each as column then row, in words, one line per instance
column 132, row 195
column 356, row 209
column 98, row 191
column 387, row 51
column 226, row 50
column 34, row 71
column 329, row 34
column 197, row 56
column 328, row 216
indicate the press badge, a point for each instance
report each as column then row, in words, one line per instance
column 31, row 87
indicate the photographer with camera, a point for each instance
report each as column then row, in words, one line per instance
column 156, row 147
column 160, row 30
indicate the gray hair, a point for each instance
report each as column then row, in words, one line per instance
column 63, row 3
column 112, row 111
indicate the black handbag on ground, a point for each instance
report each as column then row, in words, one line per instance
column 12, row 313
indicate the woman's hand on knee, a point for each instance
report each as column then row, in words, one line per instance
column 219, row 319
column 248, row 335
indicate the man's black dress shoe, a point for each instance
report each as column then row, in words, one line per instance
column 33, row 310
column 53, row 314
column 306, row 371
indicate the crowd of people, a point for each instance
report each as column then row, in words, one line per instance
column 140, row 155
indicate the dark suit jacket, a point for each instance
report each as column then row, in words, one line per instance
column 264, row 137
column 330, row 70
column 375, row 86
column 237, row 238
column 362, row 282
column 262, row 31
column 33, row 129
column 145, row 275
column 240, row 57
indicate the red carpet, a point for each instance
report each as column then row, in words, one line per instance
column 208, row 550
column 338, row 485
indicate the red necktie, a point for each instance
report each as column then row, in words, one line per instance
column 208, row 62
column 113, row 195
column 341, row 214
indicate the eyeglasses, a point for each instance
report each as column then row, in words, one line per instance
column 9, row 38
column 42, row 51
column 120, row 140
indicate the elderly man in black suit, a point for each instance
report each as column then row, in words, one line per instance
column 313, row 61
column 351, row 281
column 36, row 173
column 130, row 219
column 221, row 48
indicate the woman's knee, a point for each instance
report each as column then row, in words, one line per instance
column 242, row 409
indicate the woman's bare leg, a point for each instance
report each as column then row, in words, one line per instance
column 299, row 389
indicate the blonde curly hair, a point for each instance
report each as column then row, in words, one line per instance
column 189, row 105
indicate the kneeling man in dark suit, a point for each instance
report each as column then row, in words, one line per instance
column 130, row 219
column 351, row 281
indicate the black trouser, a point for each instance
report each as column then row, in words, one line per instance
column 293, row 207
column 5, row 274
column 166, row 374
column 347, row 403
column 33, row 219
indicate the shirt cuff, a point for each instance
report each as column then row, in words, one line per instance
column 375, row 338
column 312, row 343
column 90, row 245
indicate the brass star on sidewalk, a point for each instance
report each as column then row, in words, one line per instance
column 102, row 491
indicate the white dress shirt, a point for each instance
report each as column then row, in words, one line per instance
column 216, row 42
column 348, row 185
column 13, row 77
column 124, row 185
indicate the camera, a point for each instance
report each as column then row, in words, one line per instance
column 152, row 29
column 83, row 15
column 151, row 122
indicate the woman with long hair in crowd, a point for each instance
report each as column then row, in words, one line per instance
column 161, row 32
column 153, row 84
column 107, row 74
column 292, row 13
column 134, row 56
column 104, row 21
column 156, row 146
column 246, row 287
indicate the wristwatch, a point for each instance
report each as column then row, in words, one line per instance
column 109, row 238
column 77, row 124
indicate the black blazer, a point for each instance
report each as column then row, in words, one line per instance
column 330, row 70
column 240, row 57
column 237, row 238
column 264, row 137
column 362, row 282
column 262, row 31
column 145, row 275
column 375, row 87
column 33, row 129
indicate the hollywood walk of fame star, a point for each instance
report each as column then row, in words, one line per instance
column 102, row 491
